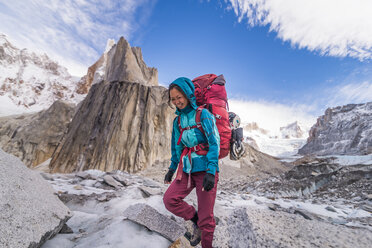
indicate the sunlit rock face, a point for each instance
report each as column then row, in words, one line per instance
column 124, row 122
column 125, row 63
column 120, row 125
column 343, row 130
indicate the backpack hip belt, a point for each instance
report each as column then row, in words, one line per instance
column 201, row 149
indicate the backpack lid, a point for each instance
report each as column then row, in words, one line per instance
column 220, row 80
column 204, row 80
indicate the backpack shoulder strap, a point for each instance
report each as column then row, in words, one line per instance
column 197, row 119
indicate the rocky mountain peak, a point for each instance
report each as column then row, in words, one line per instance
column 343, row 130
column 119, row 62
column 125, row 63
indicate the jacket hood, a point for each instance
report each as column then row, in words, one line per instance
column 188, row 88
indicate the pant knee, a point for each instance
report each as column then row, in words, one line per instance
column 169, row 201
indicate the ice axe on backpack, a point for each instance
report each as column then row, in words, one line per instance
column 237, row 148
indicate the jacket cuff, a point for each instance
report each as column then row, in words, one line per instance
column 211, row 170
column 173, row 166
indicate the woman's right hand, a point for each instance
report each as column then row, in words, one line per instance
column 168, row 176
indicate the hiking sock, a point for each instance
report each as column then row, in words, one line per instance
column 195, row 218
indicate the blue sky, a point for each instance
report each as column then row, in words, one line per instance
column 297, row 56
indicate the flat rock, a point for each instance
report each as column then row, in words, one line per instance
column 147, row 191
column 151, row 183
column 86, row 175
column 123, row 180
column 112, row 182
column 149, row 217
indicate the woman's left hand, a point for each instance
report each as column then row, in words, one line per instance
column 208, row 182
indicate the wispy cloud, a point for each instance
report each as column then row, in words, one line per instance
column 351, row 93
column 72, row 32
column 332, row 27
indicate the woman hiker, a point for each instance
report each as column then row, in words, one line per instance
column 197, row 165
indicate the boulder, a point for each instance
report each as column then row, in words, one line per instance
column 34, row 137
column 30, row 212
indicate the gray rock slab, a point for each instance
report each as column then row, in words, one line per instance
column 86, row 175
column 149, row 217
column 30, row 212
column 112, row 182
column 147, row 191
column 151, row 183
column 123, row 180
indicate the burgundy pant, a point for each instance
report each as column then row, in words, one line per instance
column 177, row 191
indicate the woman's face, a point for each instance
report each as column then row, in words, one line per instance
column 178, row 99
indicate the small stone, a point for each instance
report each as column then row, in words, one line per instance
column 78, row 187
column 47, row 176
column 102, row 198
column 273, row 206
column 314, row 173
column 331, row 209
column 245, row 197
column 338, row 221
column 258, row 201
column 181, row 242
column 217, row 220
column 303, row 214
column 66, row 229
column 367, row 208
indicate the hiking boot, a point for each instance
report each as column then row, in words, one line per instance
column 194, row 236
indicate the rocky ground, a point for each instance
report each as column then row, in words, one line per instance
column 247, row 212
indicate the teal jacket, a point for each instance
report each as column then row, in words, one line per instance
column 193, row 137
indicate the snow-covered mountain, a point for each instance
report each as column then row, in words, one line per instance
column 30, row 82
column 292, row 130
column 282, row 143
column 342, row 130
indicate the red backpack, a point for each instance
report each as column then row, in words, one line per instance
column 211, row 94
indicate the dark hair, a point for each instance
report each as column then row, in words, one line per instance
column 175, row 86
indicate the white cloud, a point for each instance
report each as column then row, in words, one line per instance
column 330, row 27
column 270, row 115
column 71, row 32
column 351, row 93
